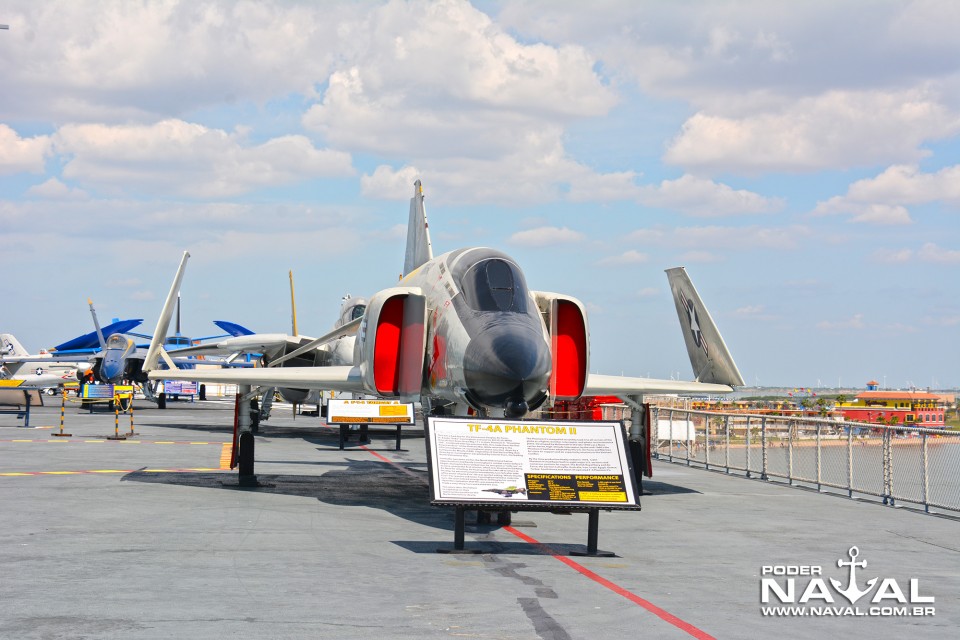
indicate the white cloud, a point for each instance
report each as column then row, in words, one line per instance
column 837, row 129
column 882, row 214
column 930, row 252
column 750, row 310
column 53, row 189
column 483, row 96
column 750, row 237
column 942, row 321
column 624, row 259
column 177, row 157
column 647, row 236
column 648, row 292
column 755, row 312
column 853, row 323
column 906, row 185
column 710, row 52
column 892, row 256
column 706, row 198
column 386, row 184
column 884, row 199
column 545, row 237
column 21, row 154
column 692, row 257
column 137, row 62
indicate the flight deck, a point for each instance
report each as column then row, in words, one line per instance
column 151, row 537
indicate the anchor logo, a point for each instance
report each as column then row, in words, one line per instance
column 853, row 592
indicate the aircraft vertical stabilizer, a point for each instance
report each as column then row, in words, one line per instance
column 163, row 323
column 419, row 249
column 709, row 357
column 10, row 346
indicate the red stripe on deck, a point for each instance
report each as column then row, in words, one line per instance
column 646, row 604
column 666, row 616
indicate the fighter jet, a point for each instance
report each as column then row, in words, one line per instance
column 463, row 334
column 36, row 370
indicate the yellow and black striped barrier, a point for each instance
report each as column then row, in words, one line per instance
column 116, row 420
column 63, row 406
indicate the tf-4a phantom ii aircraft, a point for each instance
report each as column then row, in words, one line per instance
column 461, row 332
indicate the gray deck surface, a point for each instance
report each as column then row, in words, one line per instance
column 342, row 544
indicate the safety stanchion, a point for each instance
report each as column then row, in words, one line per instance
column 63, row 407
column 116, row 420
column 130, row 409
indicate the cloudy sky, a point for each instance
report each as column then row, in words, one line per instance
column 802, row 160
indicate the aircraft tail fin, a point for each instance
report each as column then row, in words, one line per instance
column 709, row 357
column 233, row 328
column 293, row 307
column 96, row 324
column 419, row 249
column 163, row 323
column 10, row 346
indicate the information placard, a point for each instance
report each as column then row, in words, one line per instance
column 385, row 412
column 97, row 391
column 180, row 388
column 106, row 391
column 537, row 463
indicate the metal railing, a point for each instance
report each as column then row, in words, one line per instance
column 890, row 463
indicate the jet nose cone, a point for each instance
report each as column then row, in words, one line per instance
column 507, row 367
column 111, row 369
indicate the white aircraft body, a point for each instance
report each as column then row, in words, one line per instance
column 36, row 370
column 462, row 333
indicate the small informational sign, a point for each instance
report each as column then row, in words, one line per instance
column 180, row 388
column 538, row 463
column 97, row 391
column 106, row 391
column 369, row 412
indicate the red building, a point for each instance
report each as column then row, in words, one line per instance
column 908, row 408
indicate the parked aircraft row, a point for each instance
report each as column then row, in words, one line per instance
column 108, row 355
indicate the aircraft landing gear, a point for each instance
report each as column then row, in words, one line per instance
column 245, row 440
column 245, row 455
column 504, row 518
column 254, row 416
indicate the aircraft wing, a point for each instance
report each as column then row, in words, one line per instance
column 345, row 378
column 601, row 385
column 78, row 358
column 91, row 341
column 254, row 343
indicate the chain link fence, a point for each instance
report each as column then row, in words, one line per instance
column 887, row 463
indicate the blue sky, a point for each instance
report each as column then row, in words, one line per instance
column 800, row 159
